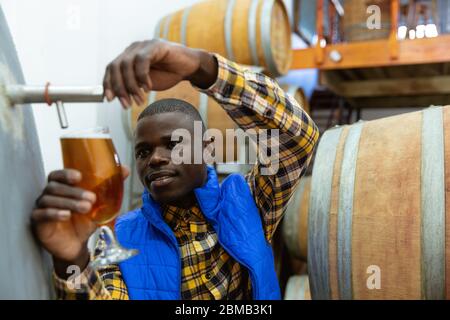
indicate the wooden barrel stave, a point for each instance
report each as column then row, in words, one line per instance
column 295, row 222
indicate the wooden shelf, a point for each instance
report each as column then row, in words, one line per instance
column 377, row 53
column 369, row 77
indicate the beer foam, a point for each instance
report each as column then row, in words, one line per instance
column 87, row 134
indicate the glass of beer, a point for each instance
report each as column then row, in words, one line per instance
column 92, row 153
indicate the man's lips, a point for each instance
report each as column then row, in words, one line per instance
column 160, row 178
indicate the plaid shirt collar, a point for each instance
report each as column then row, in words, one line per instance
column 176, row 216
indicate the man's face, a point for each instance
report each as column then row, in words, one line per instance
column 167, row 183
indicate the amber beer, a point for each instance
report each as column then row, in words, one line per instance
column 94, row 155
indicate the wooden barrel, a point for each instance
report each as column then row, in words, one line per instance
column 355, row 21
column 379, row 215
column 213, row 115
column 297, row 288
column 250, row 32
column 299, row 95
column 295, row 221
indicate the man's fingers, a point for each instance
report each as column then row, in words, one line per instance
column 59, row 189
column 118, row 85
column 79, row 206
column 67, row 176
column 129, row 79
column 50, row 214
column 142, row 66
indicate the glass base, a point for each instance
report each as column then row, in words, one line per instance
column 113, row 255
column 111, row 252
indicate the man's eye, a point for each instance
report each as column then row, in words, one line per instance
column 172, row 144
column 142, row 154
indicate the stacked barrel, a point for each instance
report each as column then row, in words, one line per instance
column 249, row 32
column 378, row 210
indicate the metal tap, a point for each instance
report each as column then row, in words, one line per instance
column 22, row 94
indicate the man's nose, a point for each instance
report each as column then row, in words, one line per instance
column 159, row 157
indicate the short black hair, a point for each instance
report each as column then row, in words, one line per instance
column 172, row 105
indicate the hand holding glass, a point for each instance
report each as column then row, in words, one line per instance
column 93, row 154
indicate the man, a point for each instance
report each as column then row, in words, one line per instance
column 196, row 239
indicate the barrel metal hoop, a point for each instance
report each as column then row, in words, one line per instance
column 203, row 108
column 228, row 29
column 184, row 21
column 291, row 221
column 319, row 211
column 266, row 39
column 252, row 14
column 433, row 205
column 166, row 27
column 345, row 211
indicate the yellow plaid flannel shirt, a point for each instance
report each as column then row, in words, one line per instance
column 253, row 101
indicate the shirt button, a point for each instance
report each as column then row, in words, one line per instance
column 208, row 276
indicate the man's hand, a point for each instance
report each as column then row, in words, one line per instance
column 60, row 220
column 156, row 65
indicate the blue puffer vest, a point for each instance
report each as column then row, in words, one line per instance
column 155, row 273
